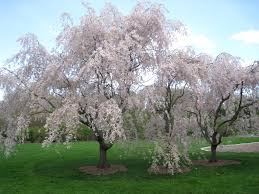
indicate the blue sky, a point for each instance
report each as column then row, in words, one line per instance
column 215, row 25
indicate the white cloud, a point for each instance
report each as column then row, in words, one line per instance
column 249, row 36
column 200, row 42
column 203, row 43
column 246, row 62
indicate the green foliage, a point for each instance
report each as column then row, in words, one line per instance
column 83, row 133
column 231, row 131
column 36, row 134
column 190, row 132
column 135, row 119
column 222, row 112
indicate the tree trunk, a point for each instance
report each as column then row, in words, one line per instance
column 103, row 163
column 213, row 147
column 166, row 123
column 213, row 153
column 169, row 122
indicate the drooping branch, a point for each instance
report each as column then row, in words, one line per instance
column 28, row 88
column 217, row 113
column 237, row 111
column 180, row 95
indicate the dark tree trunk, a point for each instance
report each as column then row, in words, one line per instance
column 166, row 123
column 169, row 121
column 213, row 153
column 103, row 163
column 103, row 147
column 213, row 147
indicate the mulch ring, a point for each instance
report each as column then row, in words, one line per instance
column 218, row 163
column 164, row 170
column 93, row 170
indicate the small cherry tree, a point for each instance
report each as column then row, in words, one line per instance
column 166, row 100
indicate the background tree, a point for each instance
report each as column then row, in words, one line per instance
column 247, row 122
column 225, row 89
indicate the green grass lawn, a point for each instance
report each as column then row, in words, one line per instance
column 36, row 170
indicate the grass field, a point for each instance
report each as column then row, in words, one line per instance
column 36, row 170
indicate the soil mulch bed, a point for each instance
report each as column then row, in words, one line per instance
column 164, row 170
column 218, row 163
column 93, row 170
